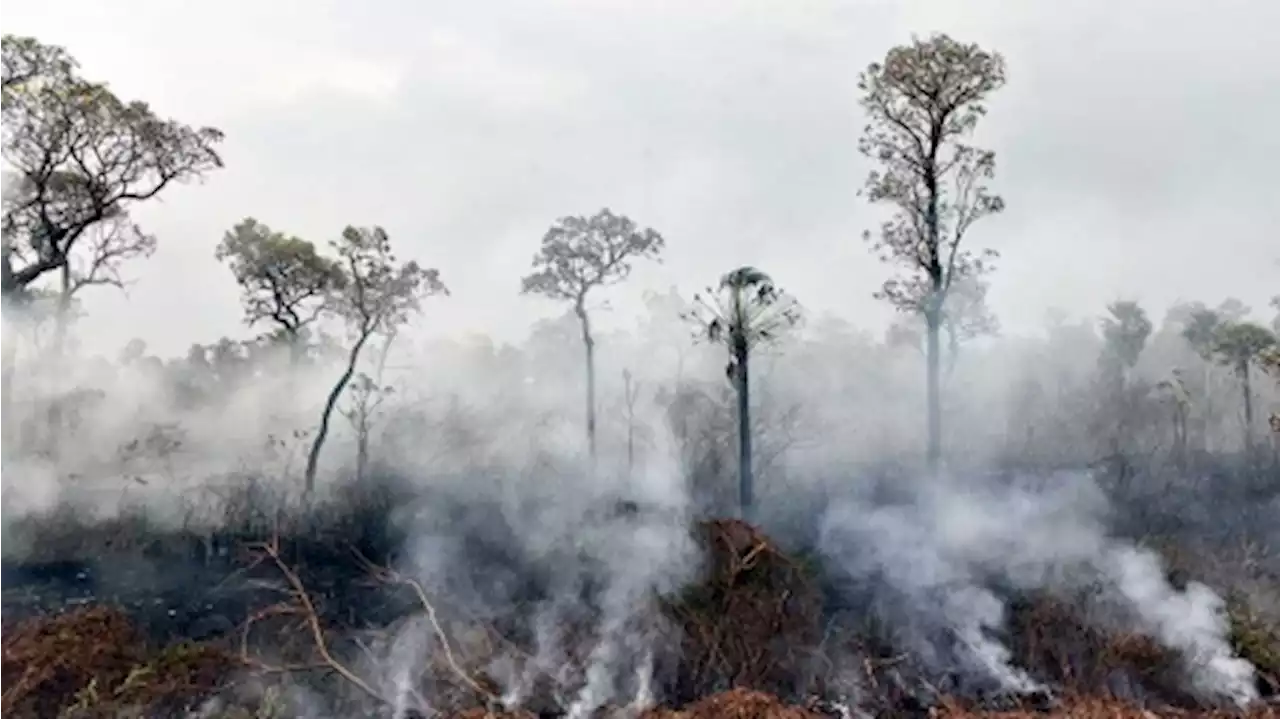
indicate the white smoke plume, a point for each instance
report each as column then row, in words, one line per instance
column 940, row 552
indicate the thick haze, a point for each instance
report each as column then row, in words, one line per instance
column 1136, row 143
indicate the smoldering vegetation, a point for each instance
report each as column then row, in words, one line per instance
column 159, row 551
column 336, row 518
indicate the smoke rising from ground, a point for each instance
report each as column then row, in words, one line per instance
column 941, row 556
column 507, row 518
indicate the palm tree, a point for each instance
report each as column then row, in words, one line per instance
column 745, row 310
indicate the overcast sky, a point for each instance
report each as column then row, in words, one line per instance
column 1137, row 142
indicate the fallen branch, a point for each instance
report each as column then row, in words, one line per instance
column 390, row 576
column 306, row 608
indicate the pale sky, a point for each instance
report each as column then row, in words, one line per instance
column 1137, row 142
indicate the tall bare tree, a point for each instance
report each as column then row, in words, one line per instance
column 922, row 101
column 579, row 254
column 743, row 312
column 379, row 294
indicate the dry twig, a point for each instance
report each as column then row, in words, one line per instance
column 390, row 576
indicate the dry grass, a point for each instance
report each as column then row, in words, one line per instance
column 1100, row 708
column 91, row 662
column 754, row 620
column 748, row 636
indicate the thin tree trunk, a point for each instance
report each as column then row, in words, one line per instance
column 62, row 313
column 9, row 353
column 362, row 453
column 297, row 349
column 589, row 345
column 1207, row 415
column 746, row 484
column 1243, row 370
column 322, row 433
column 933, row 360
column 1180, row 435
column 631, row 421
column 934, row 305
column 367, row 406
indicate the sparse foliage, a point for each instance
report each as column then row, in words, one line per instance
column 743, row 312
column 966, row 317
column 368, row 393
column 379, row 294
column 922, row 101
column 579, row 254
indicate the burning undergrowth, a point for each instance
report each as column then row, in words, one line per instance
column 583, row 607
column 753, row 620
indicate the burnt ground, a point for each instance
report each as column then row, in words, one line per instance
column 201, row 591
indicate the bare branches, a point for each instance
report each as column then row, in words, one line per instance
column 108, row 245
column 389, row 576
column 301, row 605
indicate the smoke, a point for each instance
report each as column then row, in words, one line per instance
column 938, row 555
column 504, row 520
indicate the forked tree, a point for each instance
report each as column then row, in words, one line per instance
column 922, row 103
column 378, row 295
column 745, row 311
column 579, row 254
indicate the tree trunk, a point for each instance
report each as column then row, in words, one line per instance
column 933, row 360
column 366, row 408
column 1207, row 413
column 297, row 348
column 589, row 344
column 331, row 402
column 362, row 452
column 742, row 377
column 9, row 353
column 1243, row 370
column 62, row 313
column 1180, row 435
